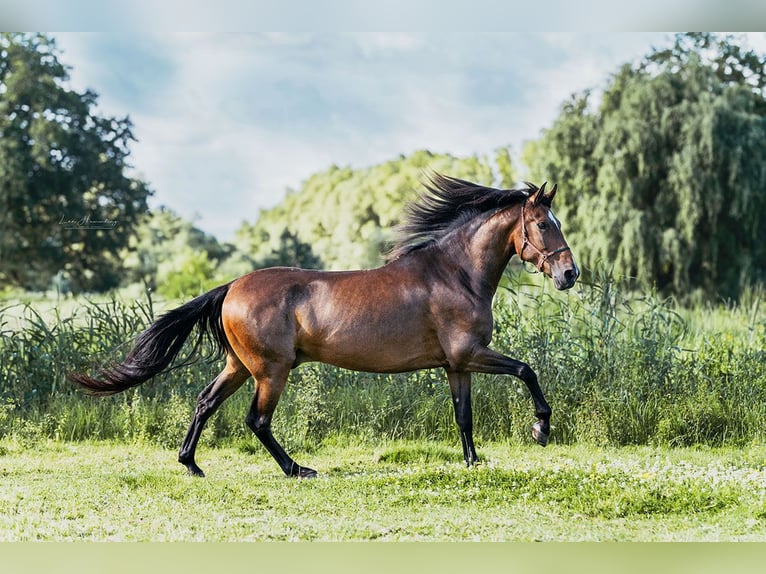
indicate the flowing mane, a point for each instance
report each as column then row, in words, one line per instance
column 447, row 204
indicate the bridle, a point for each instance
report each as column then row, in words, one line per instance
column 525, row 242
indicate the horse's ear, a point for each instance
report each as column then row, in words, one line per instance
column 548, row 199
column 539, row 194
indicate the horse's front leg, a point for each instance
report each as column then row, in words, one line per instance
column 460, row 386
column 485, row 360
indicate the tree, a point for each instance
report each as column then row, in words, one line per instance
column 66, row 203
column 346, row 216
column 188, row 274
column 665, row 179
column 165, row 245
column 292, row 252
column 507, row 176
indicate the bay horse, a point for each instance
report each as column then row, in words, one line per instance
column 428, row 306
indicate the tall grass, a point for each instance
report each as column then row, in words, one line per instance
column 617, row 369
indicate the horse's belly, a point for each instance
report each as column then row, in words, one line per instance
column 374, row 321
column 376, row 353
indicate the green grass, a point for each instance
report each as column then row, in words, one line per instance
column 392, row 490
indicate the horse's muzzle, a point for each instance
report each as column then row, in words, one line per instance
column 566, row 278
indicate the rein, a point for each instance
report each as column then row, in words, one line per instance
column 545, row 255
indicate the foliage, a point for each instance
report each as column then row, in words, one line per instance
column 187, row 275
column 66, row 204
column 617, row 369
column 171, row 254
column 36, row 358
column 346, row 215
column 665, row 175
column 292, row 252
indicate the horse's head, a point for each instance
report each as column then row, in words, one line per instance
column 539, row 240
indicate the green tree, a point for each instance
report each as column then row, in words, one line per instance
column 292, row 252
column 665, row 178
column 188, row 274
column 346, row 216
column 66, row 203
column 165, row 244
column 507, row 176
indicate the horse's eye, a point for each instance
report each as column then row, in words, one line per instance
column 542, row 226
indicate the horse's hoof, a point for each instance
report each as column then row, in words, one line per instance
column 194, row 470
column 307, row 473
column 303, row 472
column 540, row 436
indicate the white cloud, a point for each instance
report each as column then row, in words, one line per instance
column 376, row 42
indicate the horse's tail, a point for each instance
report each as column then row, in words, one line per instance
column 156, row 347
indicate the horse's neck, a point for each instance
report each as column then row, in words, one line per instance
column 489, row 246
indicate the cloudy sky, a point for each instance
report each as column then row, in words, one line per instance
column 226, row 123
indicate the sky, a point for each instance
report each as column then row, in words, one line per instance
column 226, row 123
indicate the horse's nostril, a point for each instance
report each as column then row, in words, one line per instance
column 569, row 275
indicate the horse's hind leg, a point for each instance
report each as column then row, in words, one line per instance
column 268, row 388
column 225, row 384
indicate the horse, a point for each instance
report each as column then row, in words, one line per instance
column 428, row 306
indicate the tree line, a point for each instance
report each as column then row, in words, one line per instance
column 663, row 173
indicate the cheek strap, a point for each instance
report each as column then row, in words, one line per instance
column 525, row 242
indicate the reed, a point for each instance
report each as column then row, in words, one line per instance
column 617, row 368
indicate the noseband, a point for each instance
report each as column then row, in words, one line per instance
column 525, row 242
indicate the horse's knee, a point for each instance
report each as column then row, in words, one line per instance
column 207, row 403
column 525, row 373
column 203, row 407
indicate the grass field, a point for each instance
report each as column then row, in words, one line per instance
column 398, row 490
column 657, row 434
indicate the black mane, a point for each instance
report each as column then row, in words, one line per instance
column 447, row 204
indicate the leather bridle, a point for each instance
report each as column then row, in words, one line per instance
column 544, row 255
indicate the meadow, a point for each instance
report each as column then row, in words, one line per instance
column 390, row 491
column 657, row 432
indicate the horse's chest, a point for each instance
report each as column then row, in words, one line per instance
column 475, row 321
